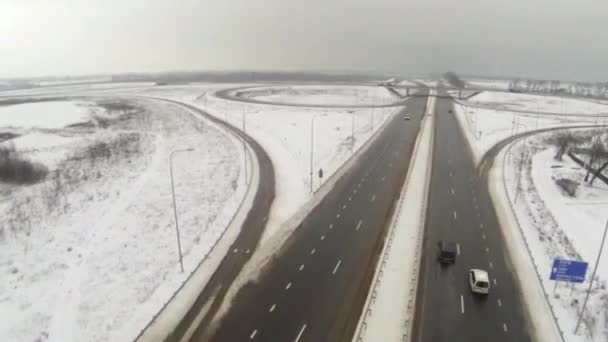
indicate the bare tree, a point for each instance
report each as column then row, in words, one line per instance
column 597, row 149
column 564, row 141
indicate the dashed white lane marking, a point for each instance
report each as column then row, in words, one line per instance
column 451, row 174
column 373, row 198
column 272, row 308
column 350, row 198
column 235, row 250
column 495, row 282
column 359, row 185
column 300, row 333
column 344, row 206
column 487, row 249
column 322, row 237
column 247, row 251
column 454, row 215
column 301, row 267
column 382, row 179
column 288, row 286
column 452, row 191
column 265, row 218
column 312, row 251
column 355, row 191
column 458, row 248
column 252, row 336
column 491, row 265
column 331, row 225
column 483, row 236
column 461, row 304
column 337, row 266
column 504, row 327
column 499, row 302
column 359, row 225
column 390, row 164
column 481, row 226
column 338, row 215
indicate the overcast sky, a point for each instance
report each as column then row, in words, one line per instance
column 565, row 39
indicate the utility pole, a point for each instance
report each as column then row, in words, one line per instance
column 179, row 244
column 597, row 261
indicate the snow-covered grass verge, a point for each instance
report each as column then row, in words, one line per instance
column 557, row 225
column 89, row 253
column 537, row 103
column 485, row 127
column 389, row 308
column 319, row 95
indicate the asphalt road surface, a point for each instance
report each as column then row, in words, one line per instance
column 460, row 210
column 316, row 288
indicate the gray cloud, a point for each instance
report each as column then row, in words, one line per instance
column 536, row 38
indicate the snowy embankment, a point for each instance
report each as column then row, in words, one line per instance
column 484, row 127
column 285, row 134
column 557, row 225
column 389, row 308
column 89, row 252
column 543, row 223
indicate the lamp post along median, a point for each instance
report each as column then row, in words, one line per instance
column 179, row 245
column 312, row 146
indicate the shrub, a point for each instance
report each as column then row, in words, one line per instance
column 16, row 169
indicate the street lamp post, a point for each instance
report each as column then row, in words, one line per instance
column 312, row 142
column 179, row 245
column 599, row 254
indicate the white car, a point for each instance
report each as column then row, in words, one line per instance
column 479, row 280
column 407, row 117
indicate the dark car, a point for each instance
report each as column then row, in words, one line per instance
column 447, row 252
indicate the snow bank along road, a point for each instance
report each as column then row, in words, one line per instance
column 315, row 288
column 244, row 245
column 460, row 210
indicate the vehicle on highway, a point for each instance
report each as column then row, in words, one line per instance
column 407, row 117
column 480, row 281
column 447, row 252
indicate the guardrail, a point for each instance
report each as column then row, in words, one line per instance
column 521, row 231
column 368, row 309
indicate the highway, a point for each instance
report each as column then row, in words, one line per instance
column 318, row 283
column 460, row 209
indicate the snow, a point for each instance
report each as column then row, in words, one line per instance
column 54, row 114
column 388, row 317
column 320, row 95
column 558, row 226
column 484, row 127
column 100, row 260
column 538, row 103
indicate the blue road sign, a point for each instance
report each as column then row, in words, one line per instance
column 568, row 270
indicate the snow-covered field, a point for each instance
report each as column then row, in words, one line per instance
column 320, row 95
column 491, row 84
column 557, row 225
column 554, row 225
column 485, row 127
column 537, row 103
column 89, row 253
